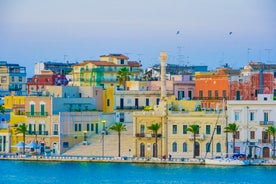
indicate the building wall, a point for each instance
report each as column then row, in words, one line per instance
column 146, row 138
column 73, row 104
column 108, row 100
column 199, row 118
column 249, row 116
column 62, row 91
column 10, row 101
column 210, row 82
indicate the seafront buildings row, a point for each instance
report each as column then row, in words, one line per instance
column 64, row 104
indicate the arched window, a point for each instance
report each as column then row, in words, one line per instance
column 207, row 147
column 142, row 129
column 185, row 147
column 218, row 147
column 174, row 147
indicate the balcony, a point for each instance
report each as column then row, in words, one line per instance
column 37, row 133
column 266, row 122
column 198, row 137
column 148, row 135
column 129, row 107
column 209, row 98
column 36, row 114
column 140, row 135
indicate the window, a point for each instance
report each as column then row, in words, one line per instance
column 185, row 129
column 209, row 93
column 185, row 147
column 32, row 109
column 108, row 102
column 200, row 93
column 3, row 79
column 79, row 127
column 265, row 117
column 42, row 109
column 142, row 129
column 174, row 129
column 174, row 147
column 87, row 127
column 12, row 78
column 147, row 102
column 218, row 147
column 237, row 135
column 237, row 116
column 252, row 116
column 218, row 129
column 207, row 147
column 224, row 93
column 252, row 134
column 208, row 129
column 180, row 95
column 92, row 127
column 216, row 93
column 157, row 101
column 76, row 127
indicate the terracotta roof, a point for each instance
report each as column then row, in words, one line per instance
column 118, row 56
column 134, row 63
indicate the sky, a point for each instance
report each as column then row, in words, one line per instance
column 193, row 32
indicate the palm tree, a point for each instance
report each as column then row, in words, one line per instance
column 154, row 128
column 123, row 76
column 22, row 129
column 2, row 109
column 271, row 130
column 118, row 127
column 232, row 128
column 194, row 129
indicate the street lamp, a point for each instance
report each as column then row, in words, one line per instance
column 103, row 132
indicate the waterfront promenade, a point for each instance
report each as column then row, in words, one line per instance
column 95, row 152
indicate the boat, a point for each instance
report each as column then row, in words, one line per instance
column 235, row 160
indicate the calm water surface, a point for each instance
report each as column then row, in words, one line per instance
column 80, row 172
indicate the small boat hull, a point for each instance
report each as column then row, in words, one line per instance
column 227, row 161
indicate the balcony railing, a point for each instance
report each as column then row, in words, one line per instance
column 140, row 135
column 37, row 133
column 198, row 137
column 36, row 113
column 148, row 135
column 266, row 122
column 130, row 107
column 209, row 98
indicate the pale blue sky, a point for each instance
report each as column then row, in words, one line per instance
column 36, row 30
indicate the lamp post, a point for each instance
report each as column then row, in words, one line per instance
column 85, row 137
column 103, row 132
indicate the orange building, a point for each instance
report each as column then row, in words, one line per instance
column 211, row 88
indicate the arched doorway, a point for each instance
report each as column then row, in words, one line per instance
column 266, row 152
column 142, row 150
column 154, row 151
column 197, row 149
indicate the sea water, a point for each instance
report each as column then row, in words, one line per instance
column 30, row 172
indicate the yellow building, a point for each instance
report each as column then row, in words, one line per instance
column 180, row 141
column 173, row 137
column 17, row 116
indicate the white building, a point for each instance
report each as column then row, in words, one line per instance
column 253, row 117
